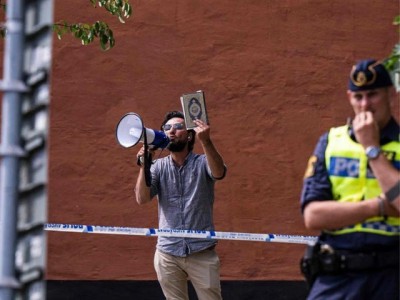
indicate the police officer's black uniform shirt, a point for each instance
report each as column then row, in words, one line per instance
column 317, row 186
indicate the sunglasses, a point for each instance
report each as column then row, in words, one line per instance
column 177, row 126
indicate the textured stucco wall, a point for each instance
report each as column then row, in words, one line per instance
column 274, row 73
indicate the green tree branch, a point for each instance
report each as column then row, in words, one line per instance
column 87, row 33
column 392, row 62
column 120, row 8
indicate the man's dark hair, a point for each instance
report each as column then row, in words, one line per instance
column 178, row 114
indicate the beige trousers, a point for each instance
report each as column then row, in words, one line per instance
column 201, row 268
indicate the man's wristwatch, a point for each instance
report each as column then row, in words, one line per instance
column 372, row 152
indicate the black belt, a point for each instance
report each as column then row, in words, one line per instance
column 345, row 261
column 323, row 259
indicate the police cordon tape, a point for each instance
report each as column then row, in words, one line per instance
column 199, row 234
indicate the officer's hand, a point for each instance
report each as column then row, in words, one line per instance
column 366, row 129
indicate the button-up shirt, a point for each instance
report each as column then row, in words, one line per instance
column 185, row 201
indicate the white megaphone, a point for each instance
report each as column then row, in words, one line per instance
column 130, row 131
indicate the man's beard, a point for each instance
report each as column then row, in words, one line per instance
column 178, row 146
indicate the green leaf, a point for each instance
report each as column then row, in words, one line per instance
column 396, row 20
column 87, row 33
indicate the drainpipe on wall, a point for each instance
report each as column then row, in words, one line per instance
column 12, row 86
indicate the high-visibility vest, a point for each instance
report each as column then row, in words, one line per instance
column 353, row 181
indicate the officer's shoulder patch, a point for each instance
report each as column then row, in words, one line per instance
column 311, row 167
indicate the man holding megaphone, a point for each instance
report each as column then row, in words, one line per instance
column 183, row 183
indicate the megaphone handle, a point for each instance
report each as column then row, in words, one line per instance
column 147, row 164
column 147, row 160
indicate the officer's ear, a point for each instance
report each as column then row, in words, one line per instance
column 349, row 95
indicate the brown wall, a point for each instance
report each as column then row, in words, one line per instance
column 274, row 73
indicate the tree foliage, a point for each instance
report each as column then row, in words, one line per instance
column 87, row 33
column 392, row 62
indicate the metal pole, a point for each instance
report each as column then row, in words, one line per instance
column 10, row 151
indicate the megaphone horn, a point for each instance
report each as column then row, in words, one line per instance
column 130, row 131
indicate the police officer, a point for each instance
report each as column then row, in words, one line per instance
column 351, row 194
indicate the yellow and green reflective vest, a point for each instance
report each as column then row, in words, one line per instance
column 353, row 181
